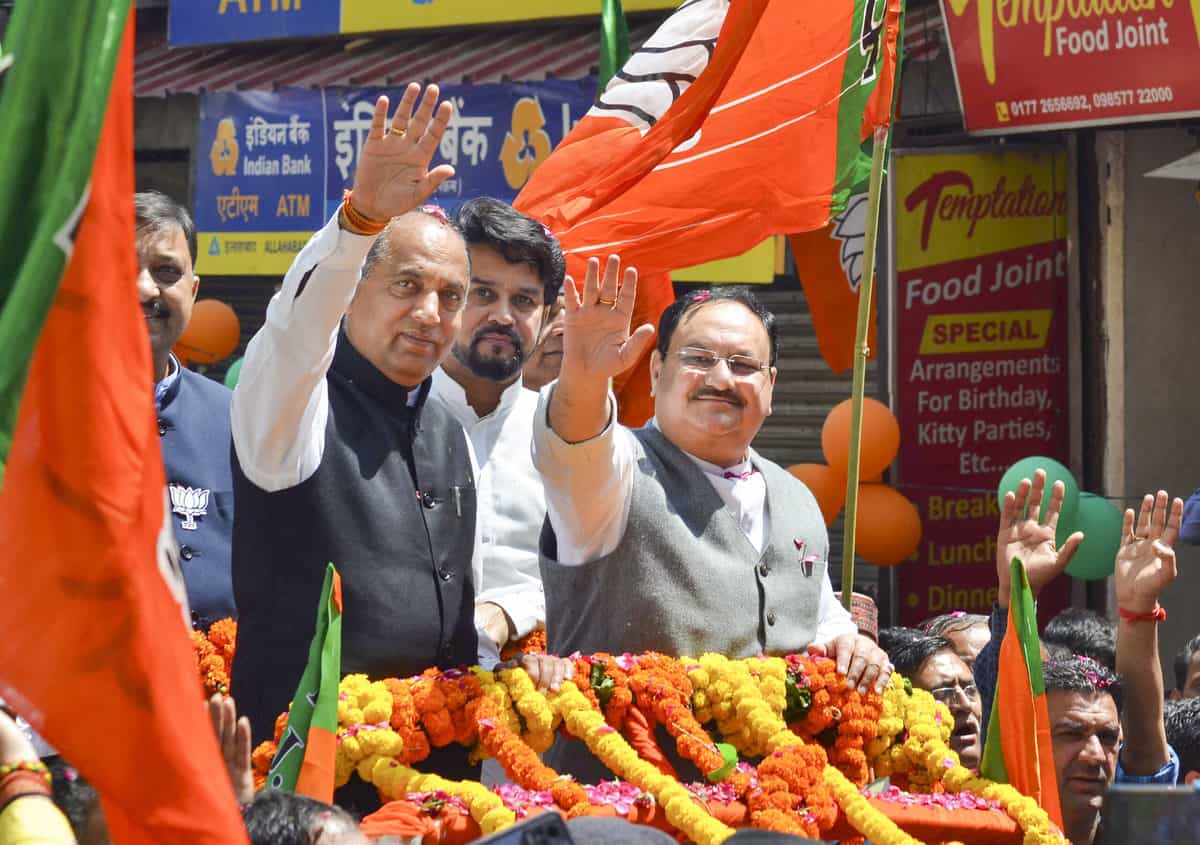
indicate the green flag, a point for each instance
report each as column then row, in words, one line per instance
column 1019, row 750
column 304, row 762
column 60, row 56
column 614, row 41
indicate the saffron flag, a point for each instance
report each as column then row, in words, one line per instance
column 304, row 762
column 93, row 648
column 1018, row 749
column 829, row 263
column 736, row 120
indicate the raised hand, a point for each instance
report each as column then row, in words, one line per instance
column 393, row 175
column 597, row 344
column 1031, row 539
column 1145, row 562
column 233, row 735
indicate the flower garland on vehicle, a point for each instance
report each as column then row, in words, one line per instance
column 518, row 758
column 662, row 690
column 385, row 726
column 929, row 755
column 606, row 742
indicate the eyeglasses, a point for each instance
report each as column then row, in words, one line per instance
column 945, row 695
column 702, row 360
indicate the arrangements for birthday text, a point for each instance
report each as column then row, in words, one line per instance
column 981, row 352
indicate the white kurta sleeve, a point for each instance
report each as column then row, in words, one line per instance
column 588, row 485
column 281, row 404
column 524, row 604
column 833, row 620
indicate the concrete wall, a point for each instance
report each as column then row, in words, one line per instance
column 1162, row 343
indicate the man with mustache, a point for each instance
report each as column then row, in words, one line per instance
column 932, row 664
column 1103, row 731
column 193, row 411
column 678, row 537
column 339, row 457
column 516, row 275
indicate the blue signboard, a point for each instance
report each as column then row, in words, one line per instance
column 193, row 22
column 499, row 133
column 260, row 178
column 278, row 162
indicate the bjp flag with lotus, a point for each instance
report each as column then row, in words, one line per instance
column 734, row 121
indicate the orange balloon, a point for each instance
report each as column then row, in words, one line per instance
column 888, row 528
column 827, row 487
column 211, row 335
column 880, row 438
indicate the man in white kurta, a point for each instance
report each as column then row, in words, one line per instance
column 516, row 276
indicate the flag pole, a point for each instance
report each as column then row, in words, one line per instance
column 861, row 351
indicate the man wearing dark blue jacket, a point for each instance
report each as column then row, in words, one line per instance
column 193, row 411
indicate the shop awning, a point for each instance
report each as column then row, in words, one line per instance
column 512, row 54
column 568, row 51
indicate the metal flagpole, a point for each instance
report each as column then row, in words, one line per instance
column 861, row 350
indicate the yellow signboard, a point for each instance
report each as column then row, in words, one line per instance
column 248, row 253
column 375, row 16
column 958, row 206
column 756, row 266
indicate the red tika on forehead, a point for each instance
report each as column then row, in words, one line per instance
column 434, row 211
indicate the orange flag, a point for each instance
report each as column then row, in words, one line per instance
column 736, row 120
column 93, row 647
column 829, row 264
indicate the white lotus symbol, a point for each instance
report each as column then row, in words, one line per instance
column 851, row 230
column 189, row 502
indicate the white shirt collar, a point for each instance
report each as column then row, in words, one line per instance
column 739, row 468
column 455, row 397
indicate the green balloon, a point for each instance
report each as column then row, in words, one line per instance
column 233, row 373
column 1055, row 471
column 1101, row 522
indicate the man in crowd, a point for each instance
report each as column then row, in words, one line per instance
column 678, row 537
column 1187, row 670
column 193, row 411
column 1182, row 721
column 1103, row 732
column 544, row 364
column 516, row 275
column 339, row 456
column 967, row 632
column 932, row 664
column 1086, row 632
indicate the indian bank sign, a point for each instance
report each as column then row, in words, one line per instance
column 1023, row 65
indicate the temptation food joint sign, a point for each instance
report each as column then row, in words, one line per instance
column 980, row 358
column 1022, row 65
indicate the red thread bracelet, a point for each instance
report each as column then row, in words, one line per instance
column 360, row 223
column 1159, row 614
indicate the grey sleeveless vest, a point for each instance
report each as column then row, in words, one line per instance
column 685, row 579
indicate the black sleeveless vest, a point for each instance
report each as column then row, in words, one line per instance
column 392, row 505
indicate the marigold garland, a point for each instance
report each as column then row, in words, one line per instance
column 607, row 743
column 532, row 643
column 214, row 655
column 812, row 771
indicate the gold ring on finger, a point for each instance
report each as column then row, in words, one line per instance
column 398, row 132
column 609, row 302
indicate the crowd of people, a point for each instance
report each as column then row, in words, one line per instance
column 428, row 406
